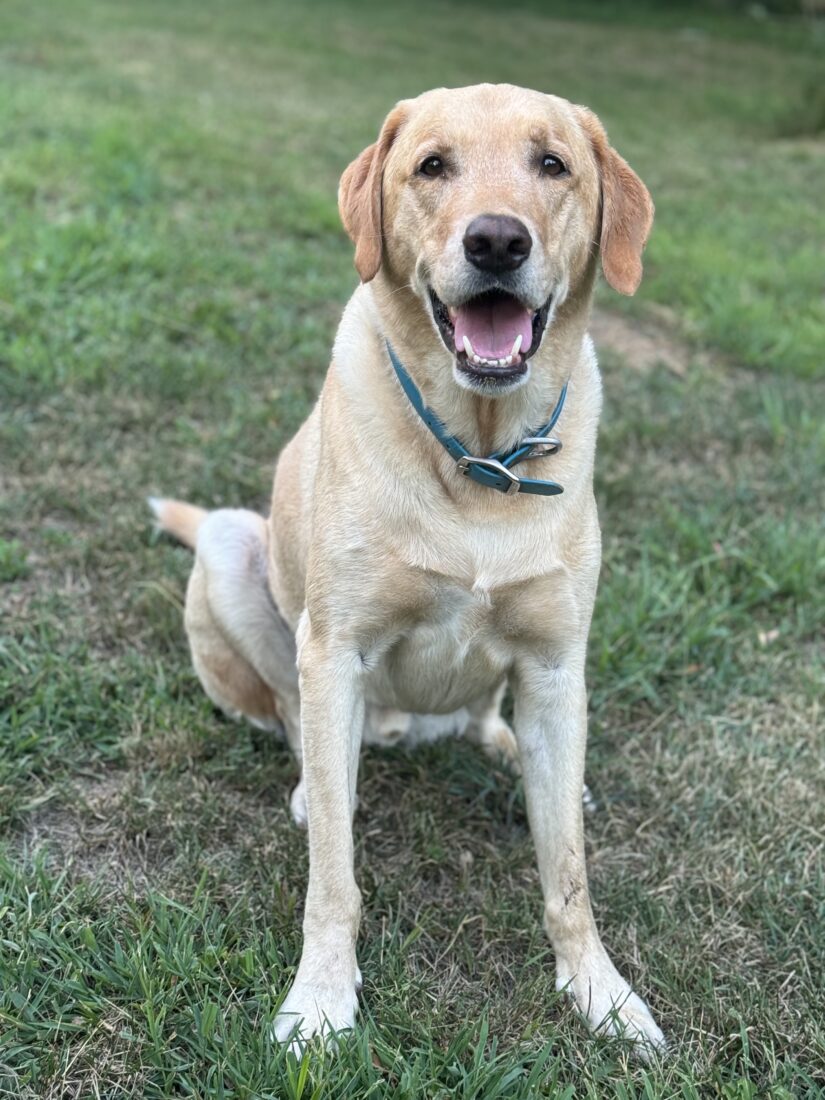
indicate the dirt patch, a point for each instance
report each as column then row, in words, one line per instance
column 644, row 345
column 85, row 835
column 131, row 834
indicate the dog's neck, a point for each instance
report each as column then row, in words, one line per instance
column 483, row 424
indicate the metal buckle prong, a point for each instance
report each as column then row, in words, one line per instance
column 493, row 464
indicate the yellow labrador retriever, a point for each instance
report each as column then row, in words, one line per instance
column 433, row 533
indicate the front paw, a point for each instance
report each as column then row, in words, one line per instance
column 298, row 804
column 609, row 1005
column 315, row 1008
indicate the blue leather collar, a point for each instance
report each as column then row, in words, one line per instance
column 495, row 470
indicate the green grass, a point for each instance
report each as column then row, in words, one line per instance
column 171, row 272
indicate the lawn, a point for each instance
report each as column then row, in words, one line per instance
column 171, row 272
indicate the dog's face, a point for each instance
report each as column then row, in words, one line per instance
column 490, row 202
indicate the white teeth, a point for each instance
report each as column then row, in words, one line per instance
column 516, row 347
column 480, row 361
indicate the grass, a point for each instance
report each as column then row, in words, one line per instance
column 172, row 273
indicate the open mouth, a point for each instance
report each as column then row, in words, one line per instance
column 492, row 335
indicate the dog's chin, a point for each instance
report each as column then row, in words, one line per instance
column 489, row 385
column 501, row 370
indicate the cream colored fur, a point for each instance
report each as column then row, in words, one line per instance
column 410, row 595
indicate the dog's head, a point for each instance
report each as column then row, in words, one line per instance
column 490, row 202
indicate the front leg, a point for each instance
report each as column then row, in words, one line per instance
column 323, row 995
column 551, row 730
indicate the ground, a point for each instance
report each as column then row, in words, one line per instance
column 172, row 270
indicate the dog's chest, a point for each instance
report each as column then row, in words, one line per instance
column 454, row 653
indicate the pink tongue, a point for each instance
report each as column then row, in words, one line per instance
column 492, row 327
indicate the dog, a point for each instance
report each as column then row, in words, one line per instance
column 430, row 541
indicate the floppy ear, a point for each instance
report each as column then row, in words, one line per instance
column 359, row 197
column 627, row 211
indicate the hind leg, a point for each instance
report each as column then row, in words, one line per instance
column 242, row 650
column 489, row 729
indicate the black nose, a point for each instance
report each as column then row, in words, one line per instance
column 497, row 242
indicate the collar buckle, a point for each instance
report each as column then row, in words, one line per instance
column 512, row 482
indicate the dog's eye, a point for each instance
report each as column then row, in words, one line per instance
column 432, row 167
column 552, row 165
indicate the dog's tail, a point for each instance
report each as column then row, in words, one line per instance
column 178, row 518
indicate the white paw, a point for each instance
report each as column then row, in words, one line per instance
column 588, row 801
column 316, row 1008
column 386, row 726
column 298, row 804
column 609, row 1005
column 499, row 743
